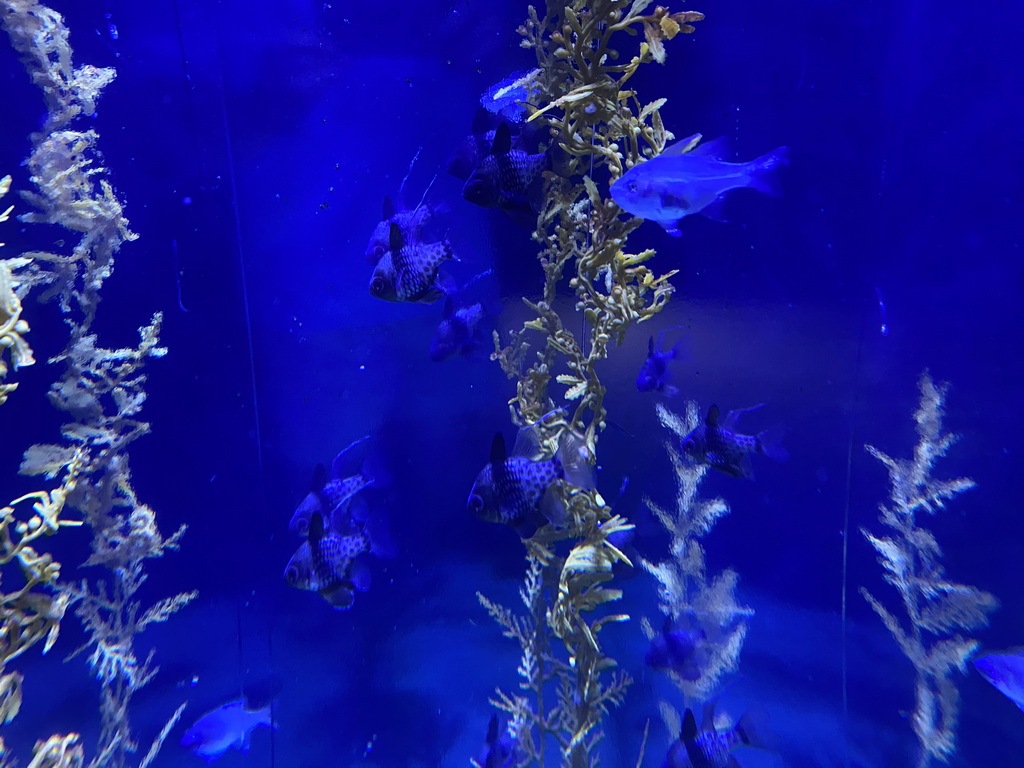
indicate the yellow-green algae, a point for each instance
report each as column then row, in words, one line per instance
column 581, row 94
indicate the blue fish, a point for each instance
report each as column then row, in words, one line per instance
column 459, row 332
column 1006, row 672
column 689, row 178
column 678, row 650
column 499, row 750
column 225, row 727
column 656, row 375
column 716, row 444
column 522, row 492
column 706, row 747
column 466, row 327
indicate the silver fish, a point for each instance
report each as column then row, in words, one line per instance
column 689, row 178
column 229, row 725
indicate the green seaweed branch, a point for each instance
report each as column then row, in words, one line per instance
column 581, row 94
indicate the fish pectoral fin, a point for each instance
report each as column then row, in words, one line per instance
column 716, row 149
column 683, row 146
column 672, row 227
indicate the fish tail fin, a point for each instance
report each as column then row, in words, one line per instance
column 769, row 443
column 573, row 456
column 764, row 171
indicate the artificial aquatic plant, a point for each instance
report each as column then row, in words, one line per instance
column 581, row 95
column 100, row 390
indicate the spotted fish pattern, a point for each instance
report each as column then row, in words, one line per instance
column 409, row 270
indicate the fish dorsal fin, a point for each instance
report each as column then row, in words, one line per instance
column 492, row 730
column 395, row 241
column 483, row 121
column 316, row 528
column 734, row 416
column 502, row 143
column 716, row 149
column 712, row 417
column 388, row 209
column 682, row 147
column 689, row 732
column 527, row 443
column 650, row 346
column 498, row 452
column 349, row 461
column 319, row 478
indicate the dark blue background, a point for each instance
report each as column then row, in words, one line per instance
column 284, row 125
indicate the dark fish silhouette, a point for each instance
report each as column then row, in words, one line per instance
column 716, row 444
column 499, row 750
column 508, row 178
column 656, row 373
column 679, row 650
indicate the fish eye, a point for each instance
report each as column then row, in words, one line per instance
column 631, row 186
column 291, row 574
column 377, row 285
column 476, row 504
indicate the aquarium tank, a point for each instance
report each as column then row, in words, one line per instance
column 514, row 385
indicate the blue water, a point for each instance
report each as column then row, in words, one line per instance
column 253, row 145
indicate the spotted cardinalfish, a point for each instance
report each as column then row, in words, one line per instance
column 522, row 492
column 716, row 444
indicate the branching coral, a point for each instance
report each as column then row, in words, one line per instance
column 705, row 608
column 935, row 607
column 101, row 389
column 580, row 93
